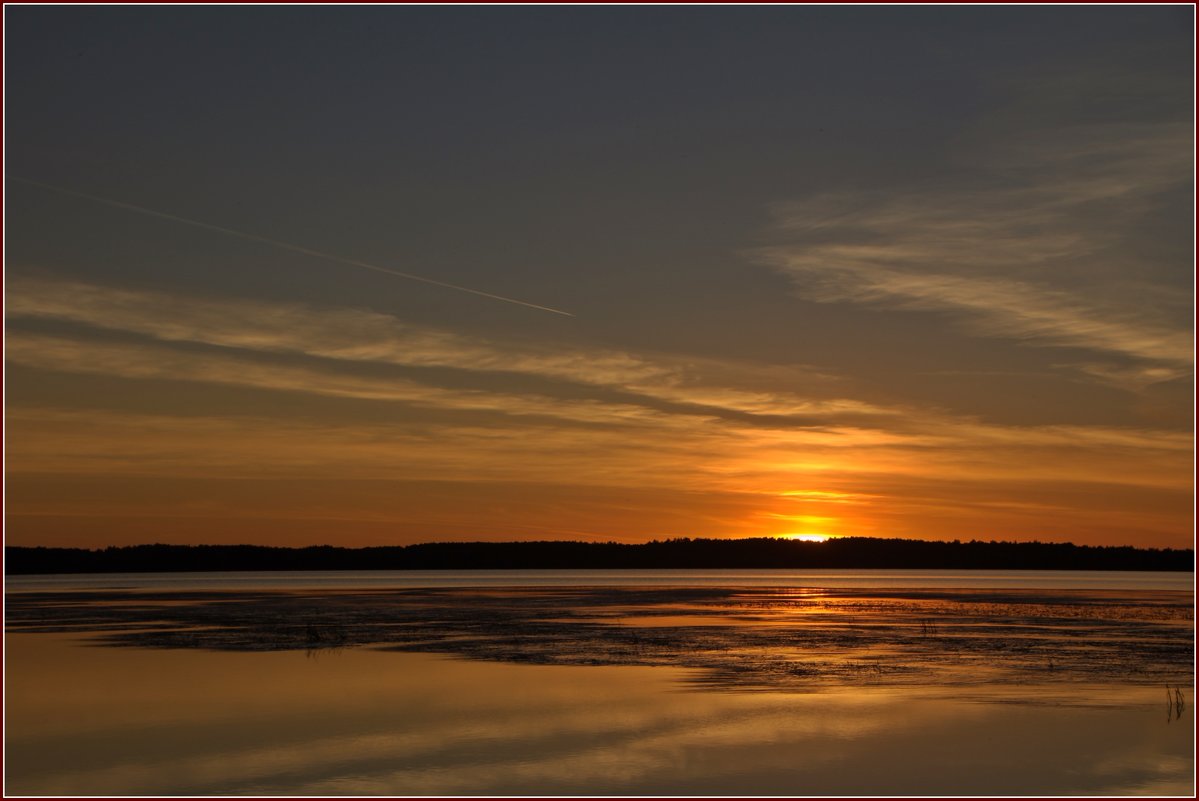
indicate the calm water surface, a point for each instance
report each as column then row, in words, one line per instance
column 1031, row 579
column 838, row 683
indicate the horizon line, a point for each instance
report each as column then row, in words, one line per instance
column 681, row 539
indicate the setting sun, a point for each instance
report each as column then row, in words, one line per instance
column 806, row 527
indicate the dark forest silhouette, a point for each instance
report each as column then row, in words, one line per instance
column 848, row 552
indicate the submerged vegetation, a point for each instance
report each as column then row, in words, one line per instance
column 767, row 638
column 845, row 552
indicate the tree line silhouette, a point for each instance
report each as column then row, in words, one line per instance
column 847, row 552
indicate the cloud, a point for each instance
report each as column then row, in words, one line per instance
column 139, row 360
column 360, row 336
column 597, row 420
column 724, row 418
column 1134, row 376
column 1038, row 246
column 91, row 441
column 991, row 306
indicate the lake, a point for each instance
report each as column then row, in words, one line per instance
column 284, row 579
column 601, row 683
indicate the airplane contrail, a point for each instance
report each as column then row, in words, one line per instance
column 284, row 245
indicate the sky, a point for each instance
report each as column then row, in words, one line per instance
column 921, row 272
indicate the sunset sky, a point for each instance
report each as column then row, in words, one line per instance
column 888, row 271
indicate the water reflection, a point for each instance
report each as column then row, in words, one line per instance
column 483, row 691
column 822, row 579
column 366, row 722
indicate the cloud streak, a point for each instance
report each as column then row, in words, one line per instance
column 1032, row 251
column 149, row 361
column 355, row 335
column 604, row 422
column 991, row 306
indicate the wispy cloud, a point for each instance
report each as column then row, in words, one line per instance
column 354, row 335
column 718, row 443
column 1136, row 376
column 991, row 306
column 1032, row 249
column 137, row 360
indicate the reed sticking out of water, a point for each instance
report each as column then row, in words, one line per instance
column 1174, row 703
column 315, row 635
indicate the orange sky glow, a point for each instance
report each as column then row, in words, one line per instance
column 264, row 422
column 840, row 281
